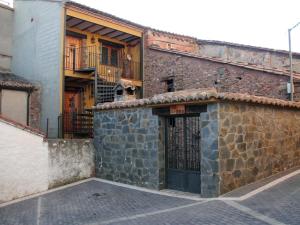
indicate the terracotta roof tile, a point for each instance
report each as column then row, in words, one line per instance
column 10, row 80
column 196, row 95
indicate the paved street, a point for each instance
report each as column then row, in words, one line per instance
column 95, row 202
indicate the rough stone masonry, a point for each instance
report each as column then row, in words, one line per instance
column 127, row 146
column 243, row 139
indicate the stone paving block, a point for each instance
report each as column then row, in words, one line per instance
column 212, row 213
column 281, row 202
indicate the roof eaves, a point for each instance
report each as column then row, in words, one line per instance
column 104, row 14
column 193, row 96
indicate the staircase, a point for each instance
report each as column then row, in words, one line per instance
column 105, row 91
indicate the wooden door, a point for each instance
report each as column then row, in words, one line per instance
column 73, row 52
column 73, row 101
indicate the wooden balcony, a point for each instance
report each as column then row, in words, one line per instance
column 87, row 60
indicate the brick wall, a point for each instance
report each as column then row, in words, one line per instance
column 171, row 42
column 191, row 72
column 35, row 108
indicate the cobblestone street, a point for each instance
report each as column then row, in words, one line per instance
column 96, row 202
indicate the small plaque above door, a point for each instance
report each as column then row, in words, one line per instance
column 177, row 109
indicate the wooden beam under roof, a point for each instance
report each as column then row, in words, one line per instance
column 105, row 31
column 88, row 27
column 130, row 39
column 95, row 28
column 77, row 13
column 124, row 36
column 73, row 21
column 75, row 25
column 84, row 25
column 115, row 34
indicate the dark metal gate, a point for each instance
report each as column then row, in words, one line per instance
column 183, row 154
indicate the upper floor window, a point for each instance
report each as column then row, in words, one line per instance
column 111, row 53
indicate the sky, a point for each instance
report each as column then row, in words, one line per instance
column 262, row 23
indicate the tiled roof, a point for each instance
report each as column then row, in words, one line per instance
column 195, row 96
column 10, row 80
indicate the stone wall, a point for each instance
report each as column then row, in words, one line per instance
column 256, row 141
column 189, row 72
column 70, row 160
column 209, row 152
column 127, row 146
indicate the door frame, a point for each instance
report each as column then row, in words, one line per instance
column 184, row 171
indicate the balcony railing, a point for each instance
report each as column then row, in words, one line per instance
column 78, row 125
column 85, row 59
column 80, row 59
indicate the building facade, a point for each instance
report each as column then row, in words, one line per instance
column 79, row 64
column 19, row 98
column 76, row 54
column 186, row 62
column 196, row 140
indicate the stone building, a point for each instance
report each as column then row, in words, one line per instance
column 196, row 140
column 188, row 62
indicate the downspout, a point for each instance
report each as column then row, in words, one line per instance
column 142, row 64
column 28, row 107
column 63, row 71
column 96, row 78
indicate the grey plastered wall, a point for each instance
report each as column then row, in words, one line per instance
column 6, row 31
column 37, row 51
column 69, row 160
column 127, row 143
column 210, row 181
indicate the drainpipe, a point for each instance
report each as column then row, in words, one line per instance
column 291, row 68
column 63, row 71
column 142, row 64
column 28, row 105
